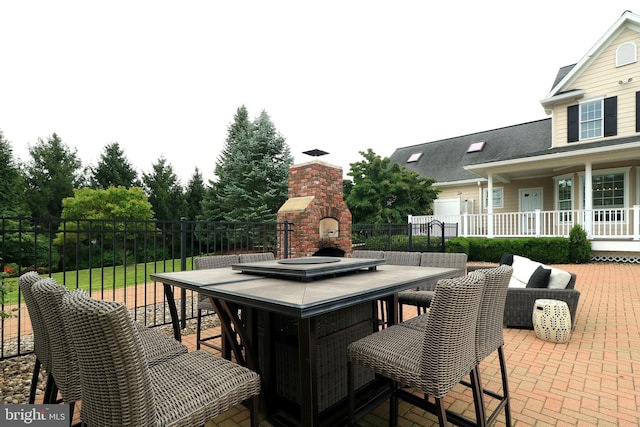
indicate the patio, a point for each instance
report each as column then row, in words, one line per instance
column 592, row 380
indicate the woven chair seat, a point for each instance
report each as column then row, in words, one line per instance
column 158, row 347
column 392, row 353
column 196, row 387
column 419, row 323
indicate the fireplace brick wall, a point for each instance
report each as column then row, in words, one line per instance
column 315, row 193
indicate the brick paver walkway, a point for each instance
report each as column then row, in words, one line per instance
column 594, row 379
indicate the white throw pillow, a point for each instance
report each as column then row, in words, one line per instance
column 515, row 283
column 559, row 279
column 523, row 268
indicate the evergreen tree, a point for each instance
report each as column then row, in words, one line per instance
column 52, row 174
column 12, row 185
column 164, row 191
column 384, row 192
column 113, row 169
column 193, row 196
column 252, row 172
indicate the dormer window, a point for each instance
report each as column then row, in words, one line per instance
column 627, row 53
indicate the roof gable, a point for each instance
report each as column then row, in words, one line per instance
column 567, row 75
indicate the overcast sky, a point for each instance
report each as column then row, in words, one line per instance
column 166, row 78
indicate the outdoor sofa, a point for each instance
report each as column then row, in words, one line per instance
column 533, row 280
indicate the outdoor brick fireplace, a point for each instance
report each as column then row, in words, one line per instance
column 316, row 208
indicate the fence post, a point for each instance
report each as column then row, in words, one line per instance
column 183, row 267
column 285, row 239
column 389, row 237
column 636, row 222
column 538, row 225
column 410, row 236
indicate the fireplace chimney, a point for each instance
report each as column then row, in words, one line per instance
column 316, row 208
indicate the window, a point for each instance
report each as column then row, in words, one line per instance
column 497, row 197
column 592, row 119
column 609, row 194
column 475, row 147
column 564, row 191
column 627, row 53
column 414, row 157
column 608, row 191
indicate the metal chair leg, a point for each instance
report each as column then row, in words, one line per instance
column 34, row 382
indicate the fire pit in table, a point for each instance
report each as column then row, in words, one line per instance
column 308, row 267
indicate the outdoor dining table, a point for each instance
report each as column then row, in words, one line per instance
column 283, row 314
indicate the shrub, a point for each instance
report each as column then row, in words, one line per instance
column 548, row 250
column 579, row 245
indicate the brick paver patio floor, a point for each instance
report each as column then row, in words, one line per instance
column 594, row 379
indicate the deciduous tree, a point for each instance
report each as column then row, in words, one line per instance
column 385, row 192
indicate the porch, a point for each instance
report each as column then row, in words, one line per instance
column 612, row 232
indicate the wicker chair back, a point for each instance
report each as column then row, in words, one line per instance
column 489, row 336
column 358, row 253
column 449, row 347
column 263, row 256
column 116, row 385
column 215, row 261
column 40, row 339
column 402, row 258
column 444, row 260
column 64, row 362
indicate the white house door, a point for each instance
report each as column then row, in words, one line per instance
column 530, row 200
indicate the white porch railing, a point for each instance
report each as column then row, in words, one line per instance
column 598, row 223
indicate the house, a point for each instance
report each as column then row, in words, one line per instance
column 580, row 166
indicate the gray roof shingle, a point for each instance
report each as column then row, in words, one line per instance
column 444, row 160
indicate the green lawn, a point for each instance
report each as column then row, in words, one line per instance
column 97, row 278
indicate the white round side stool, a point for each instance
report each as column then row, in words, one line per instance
column 552, row 320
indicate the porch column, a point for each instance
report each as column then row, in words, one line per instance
column 588, row 199
column 490, row 206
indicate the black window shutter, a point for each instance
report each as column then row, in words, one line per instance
column 637, row 111
column 611, row 116
column 573, row 123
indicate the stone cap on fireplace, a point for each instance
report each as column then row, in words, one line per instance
column 296, row 204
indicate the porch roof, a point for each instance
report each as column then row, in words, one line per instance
column 553, row 161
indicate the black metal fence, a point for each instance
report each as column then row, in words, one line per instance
column 113, row 259
column 430, row 237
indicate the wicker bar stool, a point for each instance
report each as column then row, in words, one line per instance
column 40, row 339
column 432, row 360
column 421, row 298
column 120, row 388
column 204, row 304
column 48, row 294
column 395, row 258
column 489, row 332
